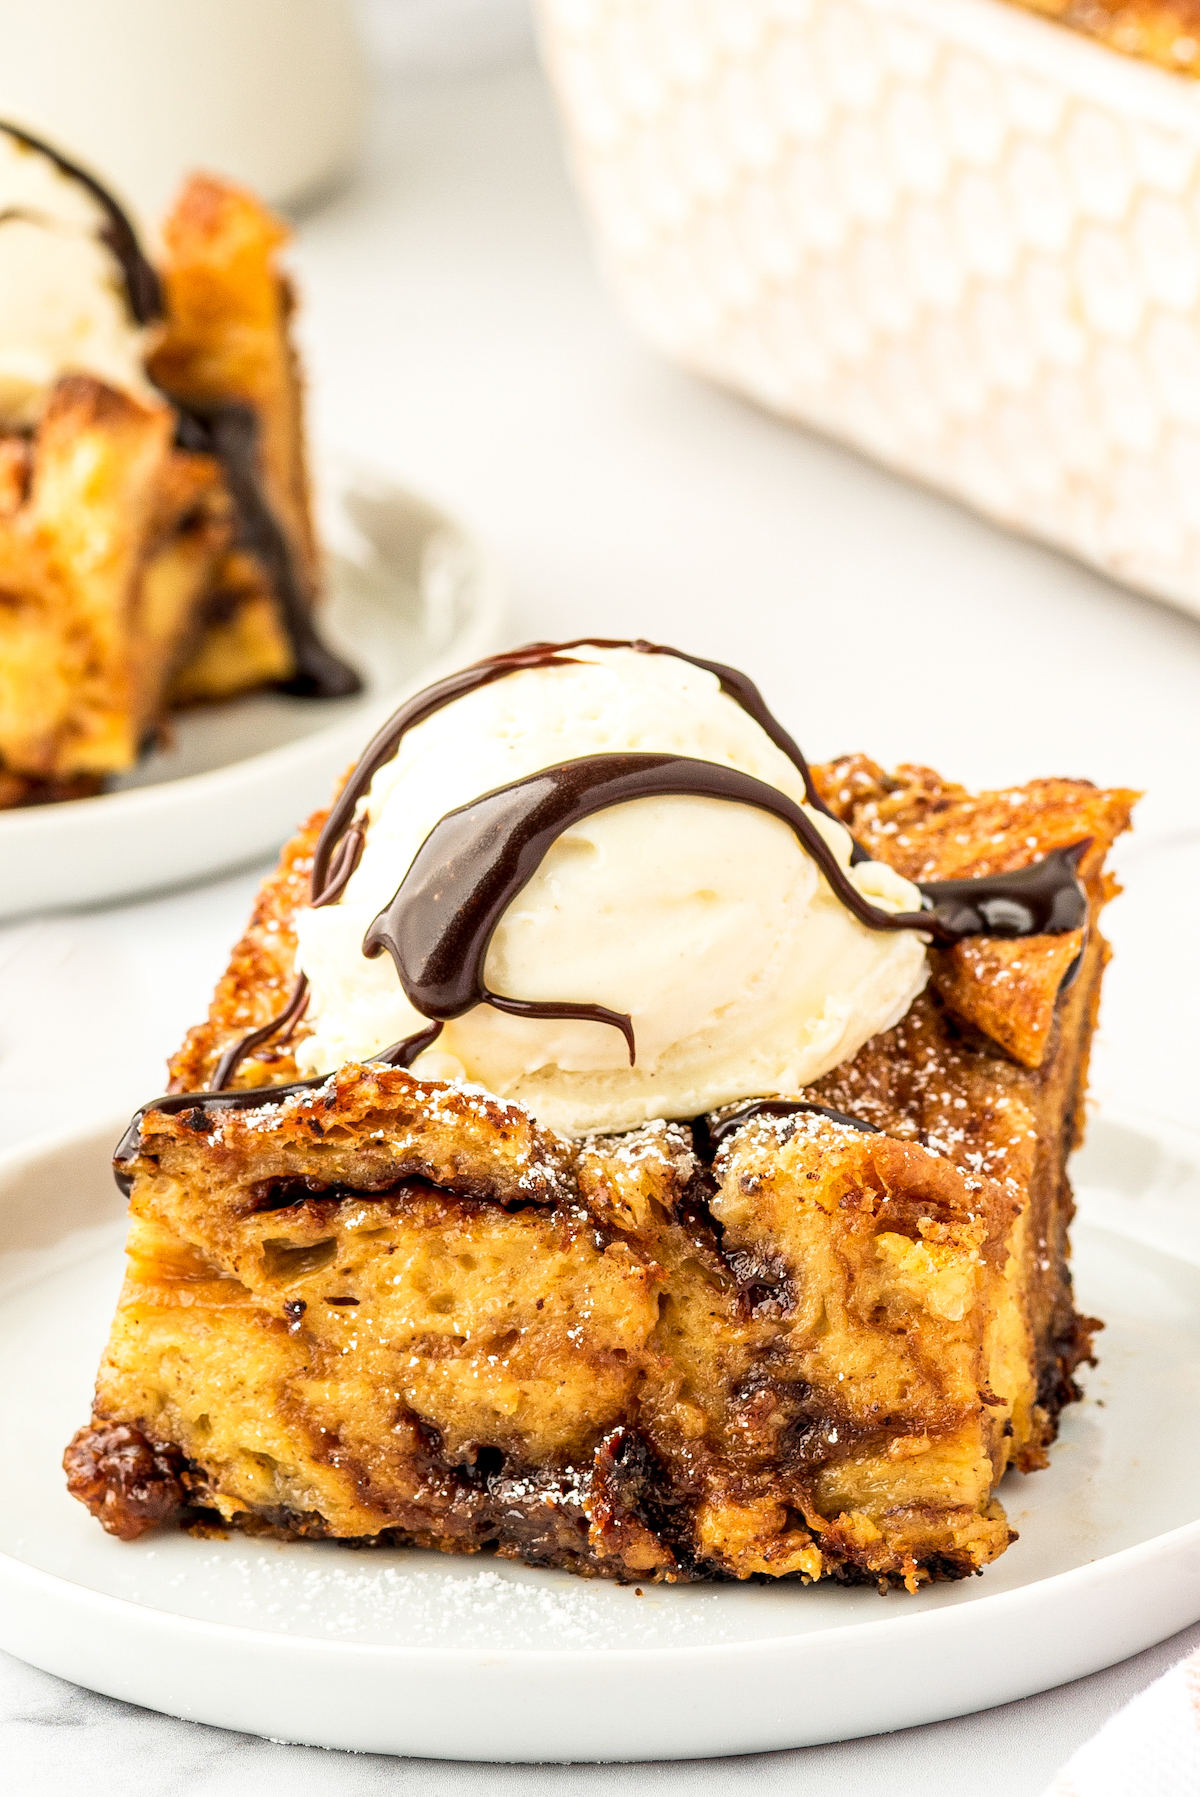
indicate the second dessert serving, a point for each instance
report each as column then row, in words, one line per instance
column 622, row 1146
column 156, row 544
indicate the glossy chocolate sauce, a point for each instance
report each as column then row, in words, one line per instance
column 385, row 745
column 143, row 290
column 230, row 432
column 476, row 860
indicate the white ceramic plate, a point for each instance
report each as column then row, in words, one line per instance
column 470, row 1658
column 411, row 597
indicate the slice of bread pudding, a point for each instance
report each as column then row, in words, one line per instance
column 803, row 1338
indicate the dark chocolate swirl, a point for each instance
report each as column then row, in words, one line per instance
column 231, row 433
column 385, row 744
column 719, row 1128
column 475, row 861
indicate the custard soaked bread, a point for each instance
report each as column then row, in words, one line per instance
column 800, row 1334
column 109, row 539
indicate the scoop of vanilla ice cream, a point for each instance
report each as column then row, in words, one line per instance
column 705, row 920
column 63, row 305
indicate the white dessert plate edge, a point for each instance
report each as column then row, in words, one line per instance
column 414, row 619
column 943, row 1654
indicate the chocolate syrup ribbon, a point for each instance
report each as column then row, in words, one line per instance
column 476, row 859
column 230, row 432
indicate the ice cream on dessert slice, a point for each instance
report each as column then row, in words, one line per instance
column 705, row 922
column 803, row 1333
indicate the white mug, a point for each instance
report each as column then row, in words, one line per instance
column 267, row 92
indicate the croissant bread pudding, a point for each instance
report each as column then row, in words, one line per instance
column 155, row 541
column 619, row 1145
column 1166, row 32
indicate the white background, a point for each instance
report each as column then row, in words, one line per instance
column 456, row 332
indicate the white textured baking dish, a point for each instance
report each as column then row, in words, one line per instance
column 951, row 233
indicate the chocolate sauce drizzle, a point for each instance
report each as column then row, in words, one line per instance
column 476, row 859
column 385, row 745
column 143, row 290
column 231, row 432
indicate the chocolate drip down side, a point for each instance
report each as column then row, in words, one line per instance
column 231, row 433
column 203, row 1104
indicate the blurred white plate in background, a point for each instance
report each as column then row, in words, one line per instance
column 411, row 597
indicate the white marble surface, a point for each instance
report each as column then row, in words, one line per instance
column 56, row 1738
column 456, row 332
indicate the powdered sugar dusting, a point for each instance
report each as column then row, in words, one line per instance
column 766, row 1129
column 407, row 1598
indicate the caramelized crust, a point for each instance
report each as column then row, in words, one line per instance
column 127, row 1484
column 258, row 981
column 393, row 1310
column 928, row 829
column 1166, row 32
column 227, row 340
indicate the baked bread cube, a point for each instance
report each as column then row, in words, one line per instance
column 109, row 538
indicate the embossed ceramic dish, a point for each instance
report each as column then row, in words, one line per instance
column 411, row 596
column 956, row 235
column 403, row 1652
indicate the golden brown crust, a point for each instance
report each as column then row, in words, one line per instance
column 258, row 980
column 1166, row 32
column 930, row 829
column 1009, row 990
column 227, row 339
column 108, row 536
